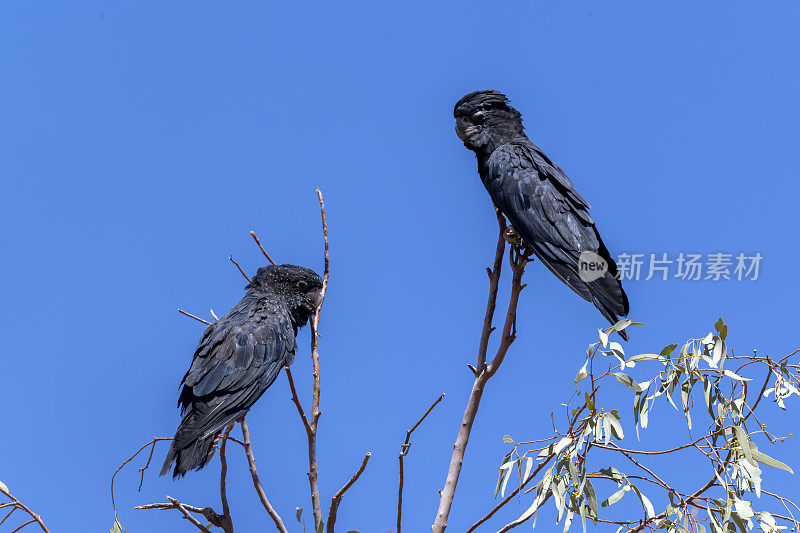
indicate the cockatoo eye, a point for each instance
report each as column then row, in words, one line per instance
column 302, row 285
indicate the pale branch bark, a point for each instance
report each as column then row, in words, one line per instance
column 404, row 449
column 17, row 504
column 188, row 516
column 263, row 251
column 337, row 498
column 483, row 372
column 232, row 260
column 494, row 282
column 251, row 461
column 311, row 423
column 206, row 322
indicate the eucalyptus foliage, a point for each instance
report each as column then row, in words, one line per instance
column 706, row 382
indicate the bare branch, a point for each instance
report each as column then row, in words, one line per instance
column 518, row 261
column 251, row 461
column 337, row 498
column 206, row 322
column 494, row 281
column 227, row 521
column 296, row 399
column 188, row 516
column 141, row 470
column 404, row 449
column 17, row 504
column 263, row 251
column 232, row 260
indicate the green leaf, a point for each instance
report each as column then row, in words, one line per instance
column 507, row 439
column 591, row 498
column 505, row 460
column 668, row 349
column 299, row 513
column 734, row 375
column 769, row 461
column 744, row 444
column 617, row 496
column 628, row 381
column 582, row 373
column 603, row 337
column 528, row 466
column 117, row 527
column 648, row 507
column 4, row 488
column 616, row 427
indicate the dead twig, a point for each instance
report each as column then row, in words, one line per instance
column 232, row 260
column 188, row 516
column 337, row 498
column 404, row 449
column 190, row 315
column 263, row 251
column 141, row 470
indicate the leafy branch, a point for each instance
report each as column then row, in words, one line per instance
column 727, row 444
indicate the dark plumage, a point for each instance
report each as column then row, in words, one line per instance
column 538, row 199
column 237, row 359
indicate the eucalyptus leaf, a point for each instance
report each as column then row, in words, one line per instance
column 617, row 496
column 4, row 488
column 628, row 381
column 769, row 461
column 299, row 514
column 507, row 439
column 117, row 527
column 744, row 444
column 734, row 375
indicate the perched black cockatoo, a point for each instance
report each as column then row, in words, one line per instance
column 539, row 200
column 237, row 359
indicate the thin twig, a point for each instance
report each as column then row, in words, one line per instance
column 188, row 516
column 31, row 521
column 131, row 458
column 207, row 512
column 232, row 260
column 190, row 315
column 404, row 449
column 251, row 461
column 313, row 421
column 337, row 498
column 22, row 507
column 263, row 251
column 296, row 399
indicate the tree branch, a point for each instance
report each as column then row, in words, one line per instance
column 263, row 251
column 188, row 516
column 227, row 521
column 518, row 261
column 337, row 498
column 251, row 461
column 232, row 260
column 206, row 322
column 404, row 449
column 16, row 504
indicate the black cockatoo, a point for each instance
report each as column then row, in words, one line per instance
column 539, row 200
column 237, row 359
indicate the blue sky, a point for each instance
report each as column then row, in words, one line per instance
column 140, row 142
